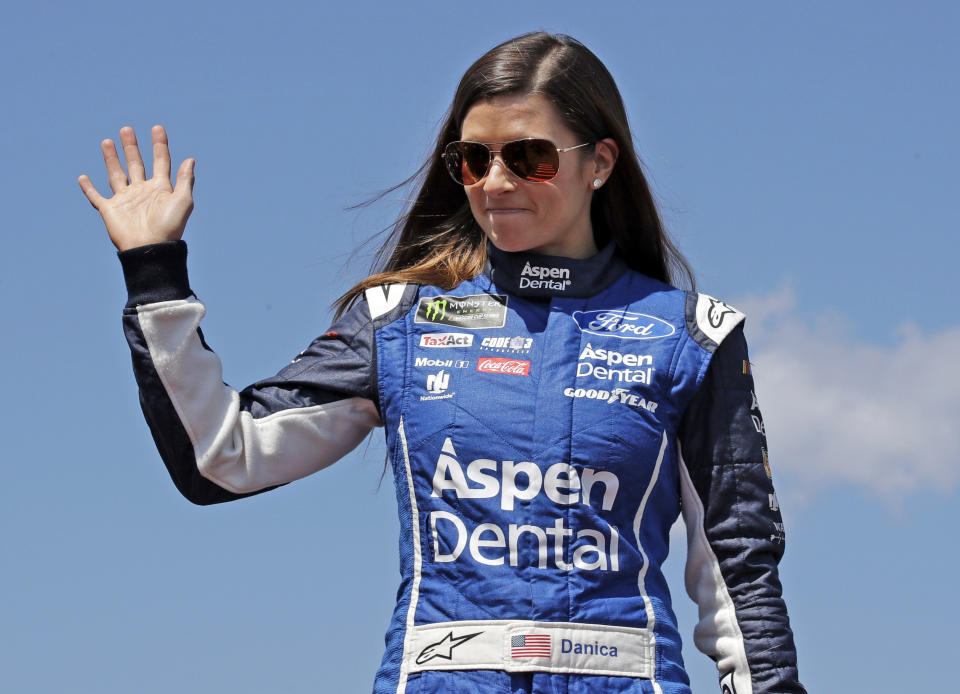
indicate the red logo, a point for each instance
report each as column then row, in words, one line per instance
column 498, row 365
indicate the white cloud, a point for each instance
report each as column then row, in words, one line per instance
column 839, row 410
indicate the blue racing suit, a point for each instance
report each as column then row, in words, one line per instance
column 546, row 423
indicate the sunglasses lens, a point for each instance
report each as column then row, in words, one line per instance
column 533, row 160
column 466, row 161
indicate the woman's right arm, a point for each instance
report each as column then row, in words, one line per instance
column 220, row 444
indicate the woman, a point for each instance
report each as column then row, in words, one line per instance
column 550, row 401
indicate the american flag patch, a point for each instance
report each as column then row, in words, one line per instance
column 530, row 646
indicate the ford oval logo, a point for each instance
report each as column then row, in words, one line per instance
column 630, row 326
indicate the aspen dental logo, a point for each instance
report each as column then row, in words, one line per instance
column 609, row 365
column 508, row 481
column 615, row 323
column 474, row 311
column 540, row 277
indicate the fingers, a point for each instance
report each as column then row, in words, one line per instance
column 90, row 190
column 184, row 184
column 131, row 151
column 115, row 173
column 161, row 153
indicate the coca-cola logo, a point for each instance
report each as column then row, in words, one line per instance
column 498, row 365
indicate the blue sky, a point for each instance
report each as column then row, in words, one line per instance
column 805, row 157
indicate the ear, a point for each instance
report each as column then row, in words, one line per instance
column 605, row 156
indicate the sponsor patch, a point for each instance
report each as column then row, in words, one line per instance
column 456, row 538
column 624, row 324
column 437, row 385
column 442, row 340
column 542, row 277
column 476, row 311
column 428, row 362
column 507, row 344
column 639, row 366
column 616, row 395
column 499, row 365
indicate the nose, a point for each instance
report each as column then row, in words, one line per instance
column 498, row 179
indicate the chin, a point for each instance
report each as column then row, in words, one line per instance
column 513, row 241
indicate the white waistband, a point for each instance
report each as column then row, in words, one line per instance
column 527, row 646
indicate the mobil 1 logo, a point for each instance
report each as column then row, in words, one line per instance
column 473, row 311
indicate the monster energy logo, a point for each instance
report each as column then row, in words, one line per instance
column 473, row 311
column 437, row 309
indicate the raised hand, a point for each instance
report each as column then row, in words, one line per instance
column 142, row 211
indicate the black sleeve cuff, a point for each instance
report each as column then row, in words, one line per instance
column 157, row 272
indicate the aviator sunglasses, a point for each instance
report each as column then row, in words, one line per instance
column 532, row 159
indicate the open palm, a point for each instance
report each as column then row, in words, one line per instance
column 142, row 211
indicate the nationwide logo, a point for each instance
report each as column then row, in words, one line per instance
column 507, row 344
column 498, row 365
column 444, row 647
column 438, row 382
column 624, row 324
column 539, row 277
column 441, row 340
column 437, row 385
column 476, row 311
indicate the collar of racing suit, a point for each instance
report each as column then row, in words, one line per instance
column 536, row 275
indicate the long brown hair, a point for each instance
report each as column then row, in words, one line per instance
column 437, row 241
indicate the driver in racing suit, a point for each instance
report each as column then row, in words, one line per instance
column 546, row 423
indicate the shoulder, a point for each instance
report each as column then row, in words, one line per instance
column 710, row 320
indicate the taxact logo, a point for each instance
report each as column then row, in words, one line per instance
column 624, row 324
column 493, row 544
column 499, row 365
column 440, row 340
column 541, row 277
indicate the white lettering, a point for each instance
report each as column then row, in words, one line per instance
column 562, row 483
column 611, row 485
column 510, row 491
column 439, row 556
column 562, row 476
column 489, row 545
column 476, row 542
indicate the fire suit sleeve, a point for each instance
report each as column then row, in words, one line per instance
column 734, row 530
column 219, row 444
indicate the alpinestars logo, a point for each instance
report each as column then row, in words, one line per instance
column 444, row 647
column 726, row 684
column 539, row 277
column 718, row 311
